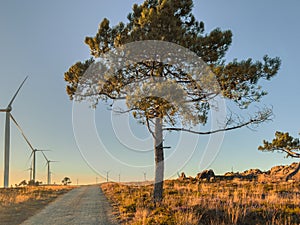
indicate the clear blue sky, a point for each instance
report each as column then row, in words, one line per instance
column 43, row 39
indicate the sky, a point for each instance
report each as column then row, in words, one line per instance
column 42, row 39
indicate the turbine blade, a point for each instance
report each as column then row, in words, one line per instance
column 43, row 150
column 44, row 156
column 20, row 129
column 29, row 157
column 50, row 161
column 12, row 100
column 3, row 110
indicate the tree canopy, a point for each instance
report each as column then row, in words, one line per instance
column 174, row 22
column 66, row 181
column 283, row 142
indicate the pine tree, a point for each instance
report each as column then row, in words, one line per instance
column 171, row 21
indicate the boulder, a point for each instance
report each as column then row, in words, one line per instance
column 206, row 174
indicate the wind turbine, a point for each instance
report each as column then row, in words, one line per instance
column 34, row 150
column 48, row 165
column 7, row 111
column 30, row 173
column 107, row 172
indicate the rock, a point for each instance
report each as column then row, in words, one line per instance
column 229, row 174
column 182, row 176
column 251, row 174
column 277, row 170
column 233, row 175
column 254, row 172
column 288, row 172
column 206, row 174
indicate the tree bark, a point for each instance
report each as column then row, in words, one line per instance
column 159, row 161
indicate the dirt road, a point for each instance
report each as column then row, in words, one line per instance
column 84, row 205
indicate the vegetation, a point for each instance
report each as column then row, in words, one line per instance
column 224, row 202
column 18, row 195
column 66, row 181
column 17, row 204
column 166, row 84
column 282, row 142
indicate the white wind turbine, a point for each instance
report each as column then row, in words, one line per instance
column 33, row 153
column 48, row 168
column 8, row 115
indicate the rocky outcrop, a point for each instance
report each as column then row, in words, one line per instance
column 289, row 172
column 252, row 172
column 275, row 174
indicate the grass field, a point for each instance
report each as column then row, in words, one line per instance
column 223, row 202
column 17, row 204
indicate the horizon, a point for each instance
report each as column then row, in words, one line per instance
column 42, row 40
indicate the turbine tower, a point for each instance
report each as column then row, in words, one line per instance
column 107, row 172
column 48, row 168
column 7, row 136
column 33, row 154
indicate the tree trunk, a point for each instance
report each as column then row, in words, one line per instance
column 159, row 161
column 293, row 173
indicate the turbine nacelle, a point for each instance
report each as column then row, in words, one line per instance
column 8, row 109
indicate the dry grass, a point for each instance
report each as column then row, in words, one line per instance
column 224, row 202
column 17, row 204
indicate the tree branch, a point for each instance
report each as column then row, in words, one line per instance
column 120, row 111
column 288, row 151
column 111, row 97
column 252, row 121
column 149, row 128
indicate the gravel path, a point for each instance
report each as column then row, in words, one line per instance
column 84, row 205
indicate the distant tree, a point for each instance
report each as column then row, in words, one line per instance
column 34, row 183
column 31, row 183
column 66, row 181
column 282, row 142
column 22, row 183
column 172, row 21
